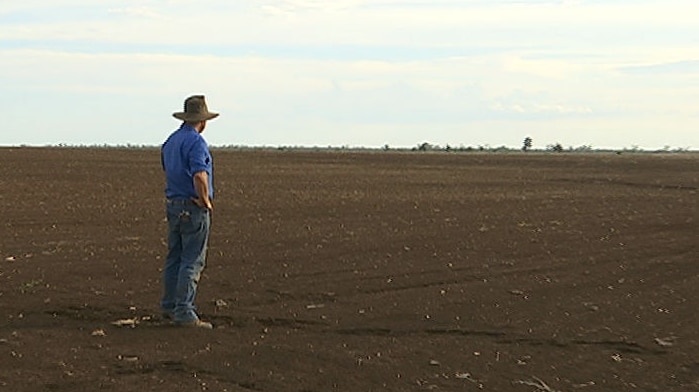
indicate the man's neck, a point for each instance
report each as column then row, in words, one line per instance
column 199, row 127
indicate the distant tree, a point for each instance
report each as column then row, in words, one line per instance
column 527, row 145
column 425, row 147
column 555, row 147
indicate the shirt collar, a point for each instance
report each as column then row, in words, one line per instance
column 186, row 127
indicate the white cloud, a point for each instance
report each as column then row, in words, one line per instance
column 538, row 108
column 140, row 11
column 356, row 22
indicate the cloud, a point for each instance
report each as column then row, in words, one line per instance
column 145, row 12
column 277, row 7
column 541, row 108
column 455, row 90
column 669, row 68
column 451, row 23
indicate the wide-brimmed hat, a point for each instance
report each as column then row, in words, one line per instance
column 195, row 110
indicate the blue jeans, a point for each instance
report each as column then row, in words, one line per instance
column 188, row 236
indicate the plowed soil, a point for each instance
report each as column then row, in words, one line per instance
column 356, row 271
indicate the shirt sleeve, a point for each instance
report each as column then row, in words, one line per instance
column 199, row 157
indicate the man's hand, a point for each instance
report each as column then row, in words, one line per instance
column 203, row 203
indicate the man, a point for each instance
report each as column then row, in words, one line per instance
column 188, row 168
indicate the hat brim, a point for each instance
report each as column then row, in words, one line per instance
column 192, row 117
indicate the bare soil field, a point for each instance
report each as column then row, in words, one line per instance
column 356, row 271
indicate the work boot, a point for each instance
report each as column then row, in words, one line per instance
column 195, row 324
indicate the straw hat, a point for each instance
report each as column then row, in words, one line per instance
column 195, row 110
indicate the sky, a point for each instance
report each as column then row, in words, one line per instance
column 353, row 73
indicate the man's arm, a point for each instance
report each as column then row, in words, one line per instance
column 201, row 186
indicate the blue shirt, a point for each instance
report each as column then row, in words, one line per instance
column 183, row 154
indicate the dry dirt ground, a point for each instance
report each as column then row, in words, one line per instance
column 356, row 271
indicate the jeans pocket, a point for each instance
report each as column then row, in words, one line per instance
column 197, row 220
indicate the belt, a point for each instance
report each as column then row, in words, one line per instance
column 181, row 202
